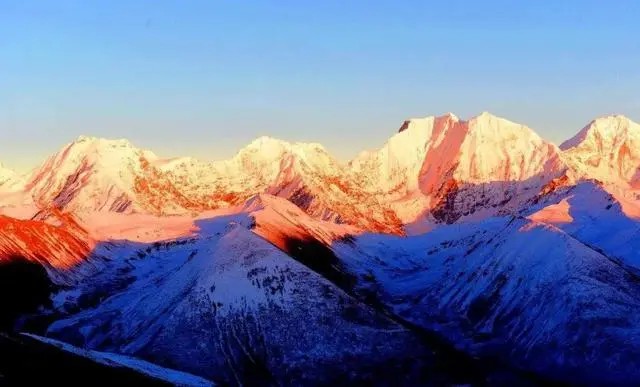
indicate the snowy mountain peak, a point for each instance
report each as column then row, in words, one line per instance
column 604, row 130
column 104, row 142
column 434, row 159
column 263, row 141
column 9, row 180
column 5, row 174
column 488, row 119
column 267, row 145
column 434, row 163
column 607, row 149
column 103, row 147
column 95, row 174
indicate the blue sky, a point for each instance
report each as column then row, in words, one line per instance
column 203, row 78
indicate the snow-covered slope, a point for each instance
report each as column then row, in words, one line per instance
column 304, row 173
column 589, row 213
column 238, row 309
column 14, row 201
column 520, row 290
column 394, row 169
column 174, row 377
column 97, row 175
column 450, row 168
column 435, row 169
column 608, row 149
column 9, row 179
column 93, row 174
column 278, row 220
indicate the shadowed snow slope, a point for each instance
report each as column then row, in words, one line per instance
column 239, row 309
column 176, row 378
column 509, row 287
column 592, row 215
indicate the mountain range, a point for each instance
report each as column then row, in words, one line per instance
column 431, row 163
column 458, row 243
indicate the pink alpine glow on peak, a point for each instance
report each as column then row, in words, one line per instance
column 607, row 149
column 434, row 169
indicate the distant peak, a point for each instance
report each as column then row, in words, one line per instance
column 266, row 141
column 611, row 119
column 90, row 140
column 608, row 126
column 103, row 146
column 487, row 119
column 82, row 138
column 485, row 115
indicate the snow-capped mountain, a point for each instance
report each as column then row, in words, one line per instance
column 608, row 149
column 227, row 305
column 304, row 173
column 438, row 169
column 99, row 175
column 450, row 168
column 280, row 264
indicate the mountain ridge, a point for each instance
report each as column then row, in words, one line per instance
column 430, row 164
column 281, row 263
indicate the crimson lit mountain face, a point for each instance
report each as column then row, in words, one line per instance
column 460, row 252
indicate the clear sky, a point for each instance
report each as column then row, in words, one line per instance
column 203, row 78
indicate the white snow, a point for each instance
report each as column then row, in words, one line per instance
column 476, row 168
column 608, row 149
column 512, row 239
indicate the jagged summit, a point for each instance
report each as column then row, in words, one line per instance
column 431, row 157
column 484, row 117
column 434, row 163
